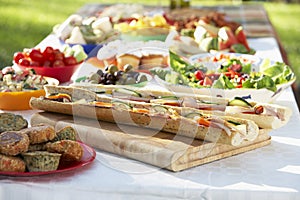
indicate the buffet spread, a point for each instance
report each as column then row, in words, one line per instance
column 162, row 87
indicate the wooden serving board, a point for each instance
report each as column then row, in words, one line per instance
column 161, row 149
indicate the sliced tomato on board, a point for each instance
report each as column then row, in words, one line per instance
column 227, row 36
column 241, row 37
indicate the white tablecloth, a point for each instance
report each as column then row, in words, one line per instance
column 271, row 172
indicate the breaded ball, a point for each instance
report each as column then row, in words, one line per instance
column 11, row 164
column 12, row 143
column 40, row 134
column 66, row 133
column 70, row 150
column 12, row 122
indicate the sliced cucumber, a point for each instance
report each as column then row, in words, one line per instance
column 169, row 97
column 121, row 105
column 205, row 102
column 159, row 109
column 126, row 91
column 238, row 101
column 192, row 115
column 235, row 123
column 100, row 92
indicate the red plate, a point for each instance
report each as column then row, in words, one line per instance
column 89, row 154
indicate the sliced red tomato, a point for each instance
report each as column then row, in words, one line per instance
column 199, row 75
column 207, row 81
column 241, row 37
column 228, row 37
column 223, row 45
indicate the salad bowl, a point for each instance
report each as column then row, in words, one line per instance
column 17, row 88
column 226, row 75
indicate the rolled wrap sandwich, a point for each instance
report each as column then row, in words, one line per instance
column 113, row 107
column 266, row 116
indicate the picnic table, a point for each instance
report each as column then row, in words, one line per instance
column 270, row 172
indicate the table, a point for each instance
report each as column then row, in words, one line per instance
column 271, row 172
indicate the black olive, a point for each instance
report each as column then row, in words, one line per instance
column 108, row 76
column 109, row 82
column 103, row 80
column 118, row 74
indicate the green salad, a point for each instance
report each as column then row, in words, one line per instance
column 230, row 72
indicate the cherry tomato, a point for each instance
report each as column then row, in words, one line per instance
column 236, row 67
column 213, row 76
column 34, row 63
column 48, row 53
column 36, row 55
column 201, row 82
column 70, row 60
column 47, row 63
column 58, row 63
column 240, row 80
column 18, row 56
column 199, row 75
column 58, row 55
column 228, row 74
column 24, row 62
column 231, row 74
column 48, row 50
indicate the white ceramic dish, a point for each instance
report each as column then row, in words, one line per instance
column 260, row 95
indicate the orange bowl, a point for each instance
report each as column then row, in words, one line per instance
column 62, row 74
column 20, row 100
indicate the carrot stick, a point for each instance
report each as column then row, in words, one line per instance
column 204, row 122
column 103, row 104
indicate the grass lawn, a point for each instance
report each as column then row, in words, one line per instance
column 24, row 23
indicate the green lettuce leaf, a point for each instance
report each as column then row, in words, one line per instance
column 279, row 72
column 177, row 63
column 223, row 82
column 259, row 82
